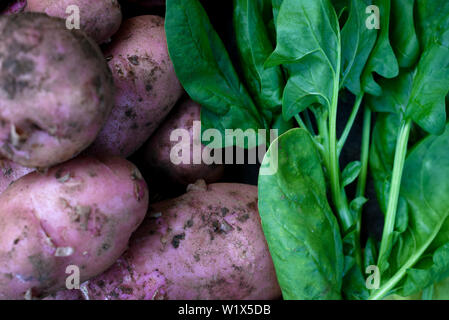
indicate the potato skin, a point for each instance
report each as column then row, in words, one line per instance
column 146, row 86
column 206, row 244
column 100, row 19
column 13, row 7
column 55, row 90
column 88, row 206
column 159, row 147
column 10, row 172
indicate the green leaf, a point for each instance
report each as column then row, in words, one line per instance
column 206, row 72
column 432, row 21
column 430, row 86
column 382, row 59
column 420, row 94
column 350, row 173
column 395, row 96
column 276, row 7
column 357, row 43
column 427, row 272
column 441, row 290
column 382, row 152
column 308, row 45
column 340, row 6
column 421, row 251
column 254, row 47
column 403, row 34
column 354, row 285
column 280, row 124
column 356, row 204
column 370, row 253
column 300, row 228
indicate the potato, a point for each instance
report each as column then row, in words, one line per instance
column 10, row 172
column 159, row 149
column 100, row 19
column 13, row 7
column 79, row 213
column 56, row 90
column 147, row 86
column 206, row 244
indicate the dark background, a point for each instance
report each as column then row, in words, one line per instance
column 220, row 14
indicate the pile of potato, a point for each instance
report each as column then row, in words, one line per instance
column 71, row 113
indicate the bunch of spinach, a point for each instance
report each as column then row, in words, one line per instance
column 296, row 57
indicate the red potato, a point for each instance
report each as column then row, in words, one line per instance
column 13, row 7
column 79, row 213
column 158, row 151
column 56, row 90
column 100, row 19
column 146, row 86
column 206, row 244
column 10, row 172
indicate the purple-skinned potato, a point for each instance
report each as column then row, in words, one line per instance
column 99, row 19
column 80, row 213
column 158, row 151
column 146, row 86
column 206, row 244
column 56, row 90
column 10, row 172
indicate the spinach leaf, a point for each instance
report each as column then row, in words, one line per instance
column 254, row 47
column 430, row 87
column 411, row 95
column 308, row 43
column 301, row 231
column 276, row 7
column 427, row 271
column 441, row 290
column 370, row 253
column 350, row 173
column 382, row 59
column 280, row 124
column 432, row 21
column 340, row 6
column 357, row 43
column 420, row 256
column 206, row 71
column 404, row 37
column 383, row 146
column 354, row 285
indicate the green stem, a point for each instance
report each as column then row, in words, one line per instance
column 361, row 183
column 309, row 122
column 350, row 123
column 301, row 123
column 390, row 217
column 338, row 193
column 334, row 166
column 391, row 283
column 323, row 132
